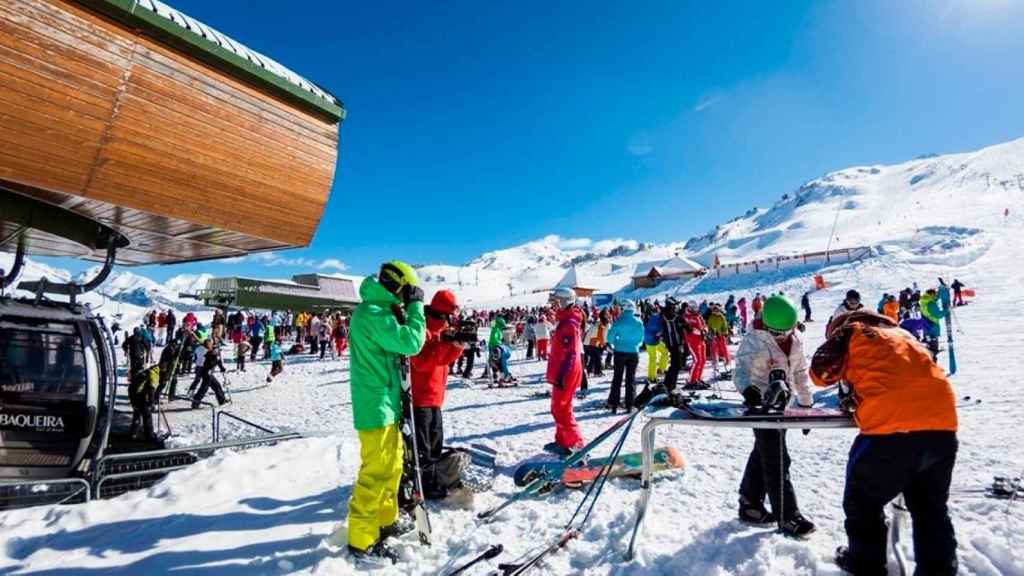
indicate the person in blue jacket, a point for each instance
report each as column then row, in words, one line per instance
column 256, row 333
column 625, row 337
column 657, row 353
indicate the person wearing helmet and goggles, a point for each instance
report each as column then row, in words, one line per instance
column 565, row 369
column 387, row 325
column 769, row 364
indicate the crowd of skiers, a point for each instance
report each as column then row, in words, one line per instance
column 403, row 351
column 196, row 349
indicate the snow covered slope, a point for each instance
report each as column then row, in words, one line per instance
column 921, row 204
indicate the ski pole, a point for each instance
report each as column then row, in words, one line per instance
column 488, row 554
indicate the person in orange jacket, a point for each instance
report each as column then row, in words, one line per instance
column 906, row 411
column 891, row 308
column 429, row 377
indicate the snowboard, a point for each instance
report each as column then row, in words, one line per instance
column 734, row 411
column 664, row 458
column 626, row 465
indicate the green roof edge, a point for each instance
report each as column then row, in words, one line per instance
column 162, row 29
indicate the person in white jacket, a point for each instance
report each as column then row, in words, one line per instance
column 769, row 364
column 542, row 331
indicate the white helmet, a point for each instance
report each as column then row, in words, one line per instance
column 563, row 296
column 629, row 305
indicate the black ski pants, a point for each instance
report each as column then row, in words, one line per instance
column 209, row 381
column 470, row 358
column 530, row 343
column 920, row 466
column 592, row 356
column 255, row 342
column 624, row 365
column 675, row 365
column 767, row 473
column 141, row 402
column 429, row 444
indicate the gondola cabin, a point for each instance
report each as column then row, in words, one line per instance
column 56, row 389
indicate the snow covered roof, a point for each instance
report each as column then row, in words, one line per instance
column 570, row 280
column 172, row 26
column 674, row 265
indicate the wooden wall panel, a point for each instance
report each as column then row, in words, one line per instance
column 154, row 140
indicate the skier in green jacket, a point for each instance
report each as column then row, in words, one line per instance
column 387, row 325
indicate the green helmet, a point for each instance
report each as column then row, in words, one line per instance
column 779, row 314
column 396, row 275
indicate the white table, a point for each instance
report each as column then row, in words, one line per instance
column 668, row 416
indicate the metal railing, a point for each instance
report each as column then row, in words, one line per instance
column 22, row 500
column 217, row 414
column 174, row 455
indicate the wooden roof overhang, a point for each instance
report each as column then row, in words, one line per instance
column 145, row 121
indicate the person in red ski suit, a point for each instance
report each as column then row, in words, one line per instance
column 695, row 332
column 565, row 368
column 429, row 380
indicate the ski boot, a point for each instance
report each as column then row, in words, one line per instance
column 798, row 527
column 379, row 555
column 848, row 564
column 756, row 515
column 402, row 525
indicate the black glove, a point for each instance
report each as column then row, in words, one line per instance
column 752, row 397
column 777, row 396
column 399, row 313
column 449, row 336
column 559, row 383
column 412, row 293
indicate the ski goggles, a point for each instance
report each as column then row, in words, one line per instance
column 778, row 333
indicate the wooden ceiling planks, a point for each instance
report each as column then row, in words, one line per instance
column 187, row 161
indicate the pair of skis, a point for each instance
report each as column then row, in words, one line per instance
column 574, row 530
column 546, row 480
column 944, row 296
column 420, row 510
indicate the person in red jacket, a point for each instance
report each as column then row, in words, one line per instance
column 565, row 370
column 429, row 379
column 695, row 331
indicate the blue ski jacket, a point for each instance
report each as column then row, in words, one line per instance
column 627, row 333
column 652, row 331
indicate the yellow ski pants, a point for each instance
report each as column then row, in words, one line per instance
column 374, row 502
column 657, row 360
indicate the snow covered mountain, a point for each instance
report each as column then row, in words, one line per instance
column 923, row 204
column 940, row 209
column 934, row 208
column 131, row 288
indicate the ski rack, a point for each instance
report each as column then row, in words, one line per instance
column 673, row 417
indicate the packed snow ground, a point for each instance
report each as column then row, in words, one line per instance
column 282, row 509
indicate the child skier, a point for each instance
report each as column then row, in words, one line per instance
column 906, row 412
column 770, row 363
column 565, row 370
column 542, row 330
column 276, row 361
column 718, row 327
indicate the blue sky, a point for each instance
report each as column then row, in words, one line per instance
column 477, row 125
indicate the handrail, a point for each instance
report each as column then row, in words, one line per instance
column 43, row 481
column 219, row 413
column 212, row 446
